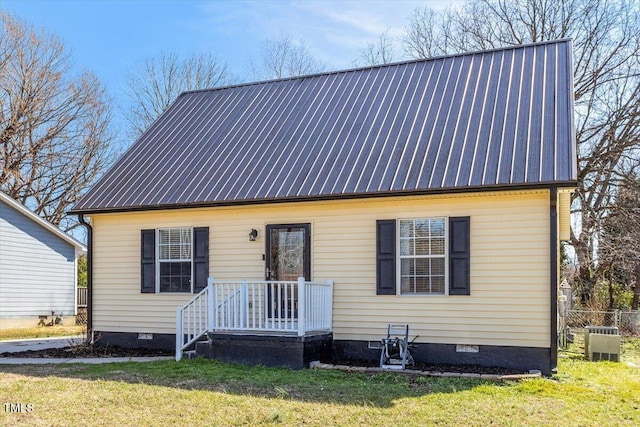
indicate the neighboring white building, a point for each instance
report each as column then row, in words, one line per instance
column 38, row 267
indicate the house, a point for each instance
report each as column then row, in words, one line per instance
column 432, row 193
column 38, row 269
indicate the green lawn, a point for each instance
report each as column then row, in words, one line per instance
column 41, row 332
column 202, row 392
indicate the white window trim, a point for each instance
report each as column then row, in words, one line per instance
column 399, row 259
column 157, row 249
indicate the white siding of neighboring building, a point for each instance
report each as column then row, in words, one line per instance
column 37, row 269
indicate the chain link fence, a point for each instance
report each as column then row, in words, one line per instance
column 573, row 323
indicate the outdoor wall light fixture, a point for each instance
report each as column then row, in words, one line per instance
column 253, row 234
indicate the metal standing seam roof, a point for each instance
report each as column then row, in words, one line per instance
column 484, row 120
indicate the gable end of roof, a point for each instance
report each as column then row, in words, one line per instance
column 9, row 201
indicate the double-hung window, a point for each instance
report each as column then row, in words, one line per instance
column 425, row 256
column 422, row 259
column 175, row 259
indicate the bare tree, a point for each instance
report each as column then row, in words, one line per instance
column 606, row 42
column 428, row 32
column 54, row 136
column 157, row 81
column 284, row 57
column 380, row 52
column 619, row 243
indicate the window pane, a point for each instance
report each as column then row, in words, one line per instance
column 174, row 236
column 422, row 266
column 437, row 227
column 437, row 246
column 406, row 267
column 185, row 251
column 437, row 266
column 174, row 252
column 437, row 285
column 405, row 246
column 165, row 269
column 163, row 252
column 405, row 286
column 421, row 284
column 406, row 228
column 422, row 246
column 422, row 228
column 185, row 236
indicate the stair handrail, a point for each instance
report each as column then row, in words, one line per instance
column 200, row 327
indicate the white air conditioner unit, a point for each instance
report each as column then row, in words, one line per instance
column 605, row 330
column 604, row 347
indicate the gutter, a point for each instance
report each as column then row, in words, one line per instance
column 326, row 197
column 89, row 277
column 553, row 258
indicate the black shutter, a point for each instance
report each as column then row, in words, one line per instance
column 200, row 258
column 148, row 261
column 459, row 259
column 386, row 257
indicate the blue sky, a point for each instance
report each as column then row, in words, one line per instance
column 111, row 37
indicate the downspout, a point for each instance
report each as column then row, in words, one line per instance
column 89, row 277
column 553, row 295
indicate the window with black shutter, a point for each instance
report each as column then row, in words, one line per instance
column 425, row 247
column 175, row 259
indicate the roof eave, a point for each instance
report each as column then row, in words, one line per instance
column 207, row 204
column 41, row 221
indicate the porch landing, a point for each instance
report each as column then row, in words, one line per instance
column 292, row 351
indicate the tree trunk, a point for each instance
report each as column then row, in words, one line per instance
column 611, row 291
column 636, row 289
column 586, row 277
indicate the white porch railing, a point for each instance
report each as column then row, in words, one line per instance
column 193, row 320
column 294, row 307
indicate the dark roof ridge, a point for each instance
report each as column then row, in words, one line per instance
column 372, row 67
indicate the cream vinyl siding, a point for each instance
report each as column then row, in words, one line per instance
column 564, row 215
column 508, row 305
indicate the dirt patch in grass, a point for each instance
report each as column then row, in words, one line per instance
column 86, row 350
column 420, row 366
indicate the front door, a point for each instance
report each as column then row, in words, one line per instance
column 288, row 252
column 288, row 256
